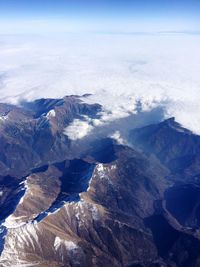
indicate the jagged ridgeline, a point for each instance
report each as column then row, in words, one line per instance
column 95, row 201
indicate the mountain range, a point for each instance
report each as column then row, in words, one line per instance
column 102, row 203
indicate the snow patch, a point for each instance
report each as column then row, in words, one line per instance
column 51, row 113
column 113, row 167
column 3, row 118
column 95, row 212
column 69, row 245
column 103, row 172
column 100, row 168
column 82, row 206
column 13, row 222
column 26, row 188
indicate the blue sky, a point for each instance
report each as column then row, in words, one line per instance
column 116, row 15
column 25, row 8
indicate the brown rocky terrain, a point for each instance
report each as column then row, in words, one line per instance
column 115, row 205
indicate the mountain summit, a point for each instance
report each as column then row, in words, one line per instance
column 99, row 202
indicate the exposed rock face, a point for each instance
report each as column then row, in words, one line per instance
column 176, row 147
column 113, row 206
column 40, row 191
column 33, row 134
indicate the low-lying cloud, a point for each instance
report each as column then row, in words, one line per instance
column 118, row 70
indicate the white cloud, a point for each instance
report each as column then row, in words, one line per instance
column 117, row 136
column 78, row 129
column 116, row 69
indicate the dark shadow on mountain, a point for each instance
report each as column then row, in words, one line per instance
column 183, row 202
column 102, row 150
column 41, row 106
column 176, row 147
column 75, row 178
column 163, row 234
column 124, row 125
column 16, row 190
column 3, row 232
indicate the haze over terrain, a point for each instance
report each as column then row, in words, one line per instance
column 119, row 52
column 116, row 68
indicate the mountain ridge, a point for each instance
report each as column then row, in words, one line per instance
column 124, row 205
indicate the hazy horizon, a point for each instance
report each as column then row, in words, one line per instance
column 119, row 51
column 87, row 15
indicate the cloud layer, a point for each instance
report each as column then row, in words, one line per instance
column 117, row 69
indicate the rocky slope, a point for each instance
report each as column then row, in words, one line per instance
column 32, row 134
column 114, row 205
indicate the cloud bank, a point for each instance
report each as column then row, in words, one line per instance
column 117, row 69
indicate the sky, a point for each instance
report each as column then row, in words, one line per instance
column 120, row 51
column 99, row 15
